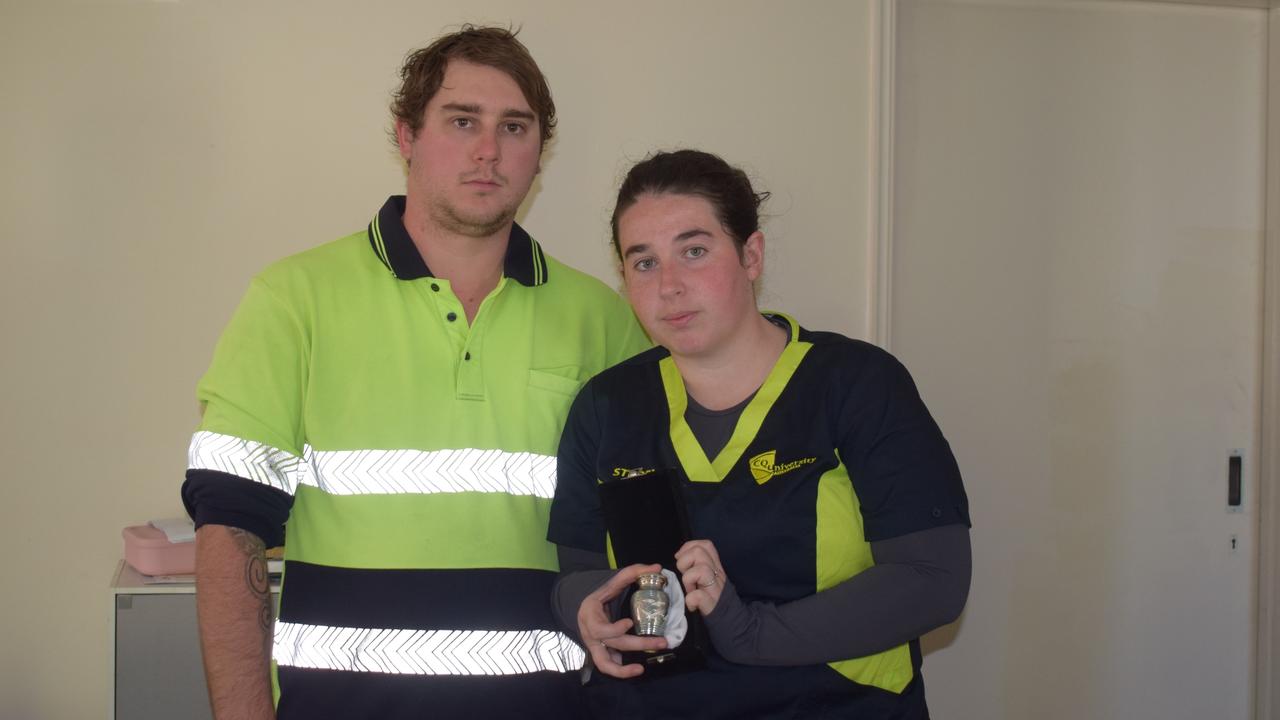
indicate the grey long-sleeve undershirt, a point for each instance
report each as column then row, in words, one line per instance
column 920, row 581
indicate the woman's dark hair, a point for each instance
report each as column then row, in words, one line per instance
column 694, row 172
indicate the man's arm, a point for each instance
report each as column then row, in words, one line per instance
column 233, row 604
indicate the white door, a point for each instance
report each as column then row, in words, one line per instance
column 1076, row 287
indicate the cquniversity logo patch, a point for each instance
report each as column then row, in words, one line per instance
column 763, row 467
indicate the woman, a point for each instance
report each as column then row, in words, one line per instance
column 831, row 521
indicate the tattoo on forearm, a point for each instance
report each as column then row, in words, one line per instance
column 256, row 573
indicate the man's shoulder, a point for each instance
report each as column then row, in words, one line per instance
column 572, row 293
column 329, row 261
column 572, row 281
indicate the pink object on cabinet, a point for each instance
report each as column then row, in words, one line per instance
column 149, row 551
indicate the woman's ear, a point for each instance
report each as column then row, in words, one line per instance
column 753, row 255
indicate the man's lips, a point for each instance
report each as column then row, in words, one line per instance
column 485, row 181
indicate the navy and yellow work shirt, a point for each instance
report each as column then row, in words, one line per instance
column 412, row 455
column 836, row 450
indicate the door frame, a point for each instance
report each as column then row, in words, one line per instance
column 878, row 298
column 1267, row 693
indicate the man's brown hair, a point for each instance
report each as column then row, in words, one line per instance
column 495, row 47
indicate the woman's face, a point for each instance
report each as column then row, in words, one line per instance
column 685, row 279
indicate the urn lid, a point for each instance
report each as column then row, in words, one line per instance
column 652, row 580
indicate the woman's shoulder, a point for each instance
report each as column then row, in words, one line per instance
column 846, row 352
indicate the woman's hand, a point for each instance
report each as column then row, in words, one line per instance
column 702, row 575
column 606, row 640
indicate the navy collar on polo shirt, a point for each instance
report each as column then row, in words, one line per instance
column 524, row 261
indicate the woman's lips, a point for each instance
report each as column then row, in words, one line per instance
column 678, row 319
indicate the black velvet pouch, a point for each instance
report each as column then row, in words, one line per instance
column 647, row 522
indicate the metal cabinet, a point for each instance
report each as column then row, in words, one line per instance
column 156, row 650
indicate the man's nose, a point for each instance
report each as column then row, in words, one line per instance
column 486, row 148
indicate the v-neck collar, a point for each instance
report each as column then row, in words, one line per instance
column 697, row 466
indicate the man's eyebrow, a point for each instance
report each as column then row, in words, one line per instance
column 474, row 109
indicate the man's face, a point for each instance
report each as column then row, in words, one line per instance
column 475, row 156
column 685, row 278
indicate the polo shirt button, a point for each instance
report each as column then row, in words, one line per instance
column 435, row 287
column 467, row 356
column 451, row 316
column 937, row 513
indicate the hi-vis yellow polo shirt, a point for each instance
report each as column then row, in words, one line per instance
column 412, row 455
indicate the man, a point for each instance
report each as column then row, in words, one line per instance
column 396, row 396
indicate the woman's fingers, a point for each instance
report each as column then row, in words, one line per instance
column 605, row 640
column 621, row 580
column 701, row 575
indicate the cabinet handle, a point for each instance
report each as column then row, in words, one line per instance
column 1235, row 491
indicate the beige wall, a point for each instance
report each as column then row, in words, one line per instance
column 154, row 155
column 1084, row 183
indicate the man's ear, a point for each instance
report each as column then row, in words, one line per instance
column 753, row 255
column 404, row 138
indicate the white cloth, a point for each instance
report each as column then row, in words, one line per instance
column 677, row 623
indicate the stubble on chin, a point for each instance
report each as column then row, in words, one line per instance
column 471, row 225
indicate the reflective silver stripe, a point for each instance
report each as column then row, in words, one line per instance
column 425, row 652
column 377, row 472
column 245, row 458
column 383, row 472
